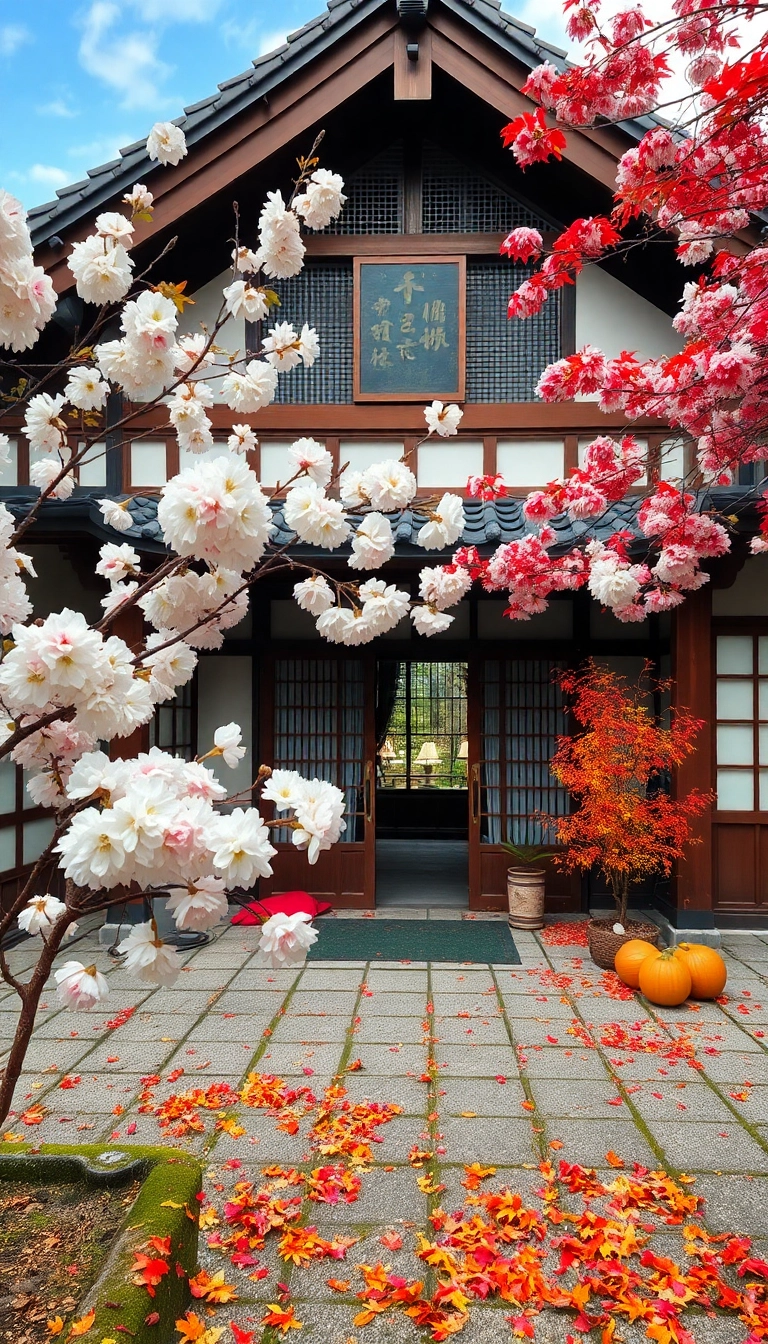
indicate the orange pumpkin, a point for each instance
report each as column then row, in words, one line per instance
column 630, row 958
column 665, row 979
column 706, row 969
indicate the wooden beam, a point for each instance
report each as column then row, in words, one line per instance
column 390, row 244
column 413, row 78
column 692, row 673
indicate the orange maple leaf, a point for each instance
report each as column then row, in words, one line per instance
column 190, row 1327
column 82, row 1326
column 281, row 1317
column 55, row 1326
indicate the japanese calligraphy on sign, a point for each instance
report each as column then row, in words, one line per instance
column 409, row 329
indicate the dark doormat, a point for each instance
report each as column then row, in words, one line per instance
column 414, row 940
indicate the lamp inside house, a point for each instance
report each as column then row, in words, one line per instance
column 463, row 753
column 388, row 752
column 427, row 758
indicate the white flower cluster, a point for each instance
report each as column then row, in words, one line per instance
column 143, row 361
column 27, row 296
column 382, row 606
column 181, row 601
column 281, row 251
column 166, row 143
column 102, row 268
column 318, row 809
column 15, row 605
column 216, row 512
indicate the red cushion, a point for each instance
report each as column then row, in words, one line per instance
column 286, row 903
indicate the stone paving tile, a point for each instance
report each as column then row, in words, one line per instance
column 213, row 1027
column 62, row 1054
column 399, row 983
column 331, row 980
column 227, row 1057
column 587, row 1141
column 735, row 1202
column 564, row 1062
column 390, row 1030
column 710, row 1147
column 698, row 1100
column 485, row 1061
column 579, row 1100
column 406, row 1092
column 129, row 1056
column 291, row 1059
column 485, row 1140
column 482, row 1095
column 460, row 982
column 385, row 1197
column 544, row 1008
column 471, row 1032
column 383, row 1059
column 316, row 1028
column 400, row 1004
column 734, row 1067
column 334, row 1003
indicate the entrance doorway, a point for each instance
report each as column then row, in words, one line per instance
column 422, row 845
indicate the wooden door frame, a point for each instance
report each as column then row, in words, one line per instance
column 266, row 719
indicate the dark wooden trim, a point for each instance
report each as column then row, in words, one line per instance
column 692, row 673
column 401, row 397
column 568, row 321
column 412, row 170
column 413, row 79
column 427, row 244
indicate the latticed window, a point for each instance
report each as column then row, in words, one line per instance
column 319, row 726
column 172, row 729
column 426, row 727
column 321, row 294
column 742, row 723
column 505, row 358
column 523, row 715
column 457, row 200
column 374, row 196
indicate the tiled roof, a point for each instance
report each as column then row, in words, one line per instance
column 487, row 525
column 263, row 76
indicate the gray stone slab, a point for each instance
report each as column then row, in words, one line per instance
column 72, row 1026
column 129, row 1057
column 710, row 1147
column 184, row 1001
column 396, row 981
column 390, row 1030
column 588, row 1141
column 217, row 1057
column 461, row 981
column 385, row 1196
column 544, row 1008
column 471, row 1032
column 733, row 1067
column 215, row 1027
column 412, row 1095
column 399, row 1136
column 385, row 1004
column 735, row 1203
column 244, row 1003
column 383, row 1059
column 482, row 1061
column 506, row 1140
column 330, row 980
column 93, row 1095
column 564, row 1062
column 565, row 1098
column 304, row 1028
column 145, row 1026
column 694, row 1101
column 290, row 1060
column 483, row 1095
column 334, row 1003
column 59, row 1055
column 727, row 1036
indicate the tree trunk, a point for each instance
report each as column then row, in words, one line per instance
column 620, row 889
column 30, row 1000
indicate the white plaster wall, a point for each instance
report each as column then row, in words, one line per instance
column 207, row 302
column 748, row 596
column 611, row 316
column 225, row 695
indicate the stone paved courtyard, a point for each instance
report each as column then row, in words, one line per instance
column 534, row 1062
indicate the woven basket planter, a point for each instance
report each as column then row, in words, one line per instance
column 604, row 943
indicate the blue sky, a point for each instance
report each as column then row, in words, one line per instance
column 79, row 80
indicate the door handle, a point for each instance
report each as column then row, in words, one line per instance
column 368, row 791
column 474, row 790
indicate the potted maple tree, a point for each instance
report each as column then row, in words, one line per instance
column 624, row 822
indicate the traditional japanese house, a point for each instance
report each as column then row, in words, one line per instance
column 441, row 745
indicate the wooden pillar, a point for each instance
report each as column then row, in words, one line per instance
column 129, row 626
column 692, row 673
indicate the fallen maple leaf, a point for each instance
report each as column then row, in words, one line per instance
column 241, row 1336
column 55, row 1326
column 339, row 1285
column 82, row 1326
column 282, row 1318
column 613, row 1159
column 190, row 1327
column 392, row 1240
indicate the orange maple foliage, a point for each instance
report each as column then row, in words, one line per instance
column 212, row 1287
column 281, row 1317
column 624, row 823
column 82, row 1326
column 190, row 1327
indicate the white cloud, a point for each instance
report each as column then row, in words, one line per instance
column 48, row 176
column 57, row 108
column 126, row 61
column 271, row 41
column 176, row 11
column 101, row 150
column 13, row 36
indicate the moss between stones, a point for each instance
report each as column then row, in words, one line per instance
column 169, row 1178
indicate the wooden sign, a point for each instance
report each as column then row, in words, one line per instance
column 409, row 329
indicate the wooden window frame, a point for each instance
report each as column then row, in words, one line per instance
column 755, row 627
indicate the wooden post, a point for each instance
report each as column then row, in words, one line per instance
column 692, row 690
column 129, row 626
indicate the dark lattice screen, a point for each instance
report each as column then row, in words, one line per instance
column 319, row 726
column 456, row 200
column 505, row 357
column 374, row 196
column 522, row 716
column 171, row 729
column 321, row 295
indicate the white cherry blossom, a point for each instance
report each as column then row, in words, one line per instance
column 80, row 987
column 166, row 143
column 443, row 420
column 40, row 914
column 285, row 939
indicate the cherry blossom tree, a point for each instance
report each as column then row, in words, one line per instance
column 154, row 824
column 697, row 180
